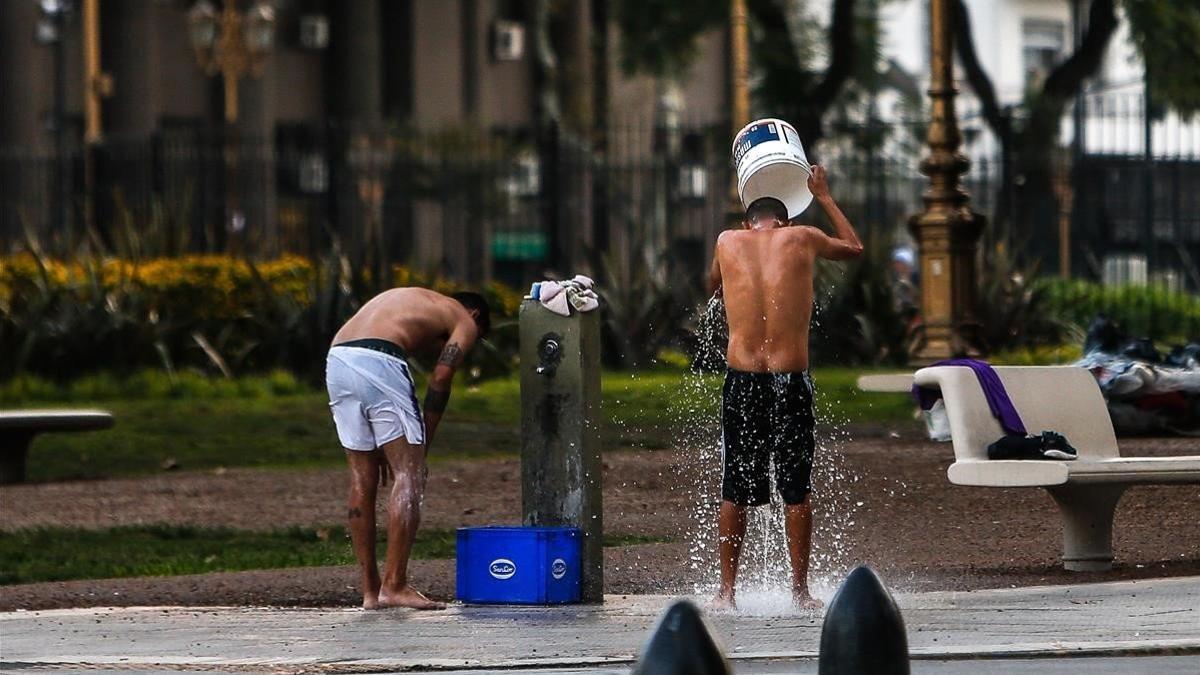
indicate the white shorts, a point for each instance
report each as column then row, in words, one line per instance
column 373, row 399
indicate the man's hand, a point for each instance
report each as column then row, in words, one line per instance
column 844, row 244
column 818, row 183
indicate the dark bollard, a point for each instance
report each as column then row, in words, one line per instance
column 681, row 645
column 863, row 630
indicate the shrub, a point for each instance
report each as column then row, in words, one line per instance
column 1154, row 312
column 647, row 306
column 210, row 287
column 858, row 316
column 1042, row 355
column 1013, row 308
column 65, row 318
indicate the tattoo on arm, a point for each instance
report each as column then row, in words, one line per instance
column 451, row 355
column 436, row 400
column 355, row 512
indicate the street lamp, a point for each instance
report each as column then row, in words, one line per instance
column 49, row 31
column 231, row 43
column 739, row 94
column 947, row 230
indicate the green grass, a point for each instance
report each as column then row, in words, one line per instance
column 290, row 430
column 149, row 384
column 254, row 423
column 62, row 554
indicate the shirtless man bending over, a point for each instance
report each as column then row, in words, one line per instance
column 765, row 272
column 379, row 423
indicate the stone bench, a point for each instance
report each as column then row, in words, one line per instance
column 18, row 428
column 1065, row 399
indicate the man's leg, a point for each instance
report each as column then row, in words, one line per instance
column 798, row 524
column 744, row 480
column 404, row 517
column 731, row 529
column 794, row 452
column 364, row 476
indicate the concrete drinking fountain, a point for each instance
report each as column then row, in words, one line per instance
column 557, row 555
column 560, row 431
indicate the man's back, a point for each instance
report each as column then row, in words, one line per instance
column 414, row 318
column 767, row 277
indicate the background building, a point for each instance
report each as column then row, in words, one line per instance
column 447, row 135
column 410, row 125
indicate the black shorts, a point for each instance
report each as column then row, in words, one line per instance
column 767, row 417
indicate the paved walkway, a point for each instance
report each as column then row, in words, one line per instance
column 1112, row 619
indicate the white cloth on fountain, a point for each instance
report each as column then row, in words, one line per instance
column 560, row 296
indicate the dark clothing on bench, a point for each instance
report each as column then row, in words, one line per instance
column 1047, row 445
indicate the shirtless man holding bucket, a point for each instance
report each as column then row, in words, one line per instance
column 765, row 272
column 374, row 404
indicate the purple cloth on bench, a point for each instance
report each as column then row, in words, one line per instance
column 993, row 390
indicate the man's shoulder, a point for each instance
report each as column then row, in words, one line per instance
column 402, row 291
column 804, row 229
column 410, row 294
column 804, row 235
column 737, row 238
column 725, row 240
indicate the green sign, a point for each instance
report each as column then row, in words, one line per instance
column 519, row 245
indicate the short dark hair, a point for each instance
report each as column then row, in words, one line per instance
column 767, row 206
column 476, row 301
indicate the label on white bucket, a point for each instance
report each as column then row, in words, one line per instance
column 754, row 135
column 502, row 568
column 770, row 162
column 792, row 137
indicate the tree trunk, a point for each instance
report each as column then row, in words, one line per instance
column 788, row 89
column 1027, row 205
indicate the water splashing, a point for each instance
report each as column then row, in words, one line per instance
column 765, row 570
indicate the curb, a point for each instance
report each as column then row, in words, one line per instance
column 1030, row 651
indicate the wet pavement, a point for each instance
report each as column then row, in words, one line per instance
column 1135, row 626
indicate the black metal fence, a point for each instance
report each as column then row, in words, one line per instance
column 506, row 204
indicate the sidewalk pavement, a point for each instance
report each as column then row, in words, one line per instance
column 1118, row 619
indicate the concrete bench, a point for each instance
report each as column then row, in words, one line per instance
column 18, row 428
column 1065, row 399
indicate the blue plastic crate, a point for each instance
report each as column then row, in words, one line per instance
column 518, row 565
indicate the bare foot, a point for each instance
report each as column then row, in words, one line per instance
column 371, row 594
column 407, row 596
column 723, row 600
column 806, row 601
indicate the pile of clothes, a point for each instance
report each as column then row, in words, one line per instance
column 560, row 296
column 1148, row 392
column 1016, row 443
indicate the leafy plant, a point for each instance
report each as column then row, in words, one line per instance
column 859, row 317
column 645, row 306
column 1154, row 311
column 216, row 313
column 1013, row 309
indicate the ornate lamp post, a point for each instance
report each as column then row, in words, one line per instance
column 50, row 29
column 231, row 44
column 739, row 93
column 947, row 231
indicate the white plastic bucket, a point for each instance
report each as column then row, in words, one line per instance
column 770, row 162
